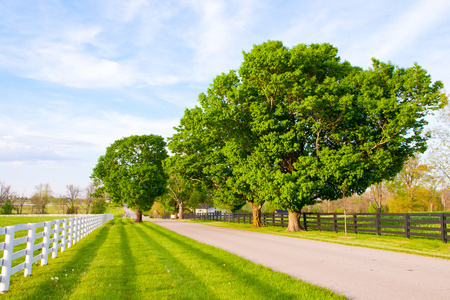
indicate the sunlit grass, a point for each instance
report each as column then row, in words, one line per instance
column 415, row 245
column 116, row 211
column 124, row 260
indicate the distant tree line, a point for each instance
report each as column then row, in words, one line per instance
column 75, row 201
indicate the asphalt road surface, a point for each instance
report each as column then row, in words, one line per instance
column 358, row 273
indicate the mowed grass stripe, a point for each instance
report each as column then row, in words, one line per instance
column 123, row 260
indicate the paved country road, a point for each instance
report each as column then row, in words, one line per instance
column 358, row 273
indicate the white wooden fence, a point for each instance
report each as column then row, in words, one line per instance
column 57, row 234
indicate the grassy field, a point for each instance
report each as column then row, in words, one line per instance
column 8, row 221
column 414, row 245
column 124, row 260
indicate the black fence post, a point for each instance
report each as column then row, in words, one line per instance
column 355, row 225
column 318, row 222
column 335, row 223
column 407, row 226
column 305, row 224
column 443, row 229
column 378, row 223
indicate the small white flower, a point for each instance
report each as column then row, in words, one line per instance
column 56, row 278
column 110, row 284
column 66, row 275
column 72, row 270
column 53, row 278
column 168, row 271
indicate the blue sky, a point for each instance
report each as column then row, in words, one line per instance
column 77, row 75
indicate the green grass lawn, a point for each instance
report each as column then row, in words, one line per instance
column 124, row 260
column 9, row 221
column 414, row 245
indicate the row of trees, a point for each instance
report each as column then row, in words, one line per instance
column 291, row 127
column 75, row 201
column 297, row 126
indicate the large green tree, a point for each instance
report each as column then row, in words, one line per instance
column 199, row 157
column 327, row 129
column 298, row 125
column 131, row 171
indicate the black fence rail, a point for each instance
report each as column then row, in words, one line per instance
column 431, row 225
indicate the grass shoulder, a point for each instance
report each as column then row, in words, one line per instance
column 414, row 245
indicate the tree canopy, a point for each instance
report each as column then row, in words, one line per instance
column 131, row 171
column 296, row 126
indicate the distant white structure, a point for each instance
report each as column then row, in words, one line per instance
column 205, row 209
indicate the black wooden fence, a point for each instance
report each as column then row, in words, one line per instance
column 432, row 225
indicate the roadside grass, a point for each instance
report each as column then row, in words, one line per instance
column 126, row 260
column 415, row 245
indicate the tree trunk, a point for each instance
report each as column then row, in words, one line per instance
column 138, row 216
column 294, row 222
column 180, row 211
column 256, row 211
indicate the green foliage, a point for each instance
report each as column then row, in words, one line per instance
column 411, row 191
column 99, row 206
column 131, row 171
column 6, row 208
column 298, row 125
column 199, row 159
column 325, row 129
column 374, row 209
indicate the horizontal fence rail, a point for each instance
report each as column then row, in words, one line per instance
column 431, row 225
column 45, row 238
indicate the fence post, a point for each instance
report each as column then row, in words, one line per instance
column 377, row 217
column 70, row 233
column 46, row 242
column 7, row 258
column 30, row 247
column 64, row 236
column 282, row 220
column 318, row 222
column 355, row 225
column 443, row 228
column 305, row 224
column 75, row 231
column 83, row 228
column 334, row 222
column 55, row 240
column 407, row 226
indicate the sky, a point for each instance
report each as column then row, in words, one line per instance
column 77, row 75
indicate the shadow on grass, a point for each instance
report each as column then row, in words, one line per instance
column 169, row 259
column 128, row 267
column 256, row 287
column 41, row 284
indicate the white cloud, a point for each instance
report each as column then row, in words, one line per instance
column 61, row 134
column 217, row 38
column 396, row 37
